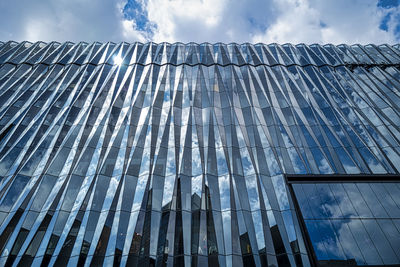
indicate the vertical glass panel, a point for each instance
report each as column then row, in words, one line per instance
column 316, row 240
column 347, row 241
column 357, row 200
column 334, row 249
column 303, row 202
column 386, row 200
column 328, row 201
column 391, row 233
column 380, row 242
column 370, row 198
column 343, row 200
column 364, row 242
column 314, row 200
column 14, row 192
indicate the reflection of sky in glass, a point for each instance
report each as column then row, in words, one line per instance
column 352, row 221
column 14, row 192
column 224, row 191
column 280, row 190
column 218, row 136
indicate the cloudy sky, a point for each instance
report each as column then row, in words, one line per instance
column 282, row 21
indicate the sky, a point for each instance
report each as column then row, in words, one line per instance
column 240, row 21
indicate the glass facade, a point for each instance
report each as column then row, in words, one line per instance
column 134, row 154
column 352, row 223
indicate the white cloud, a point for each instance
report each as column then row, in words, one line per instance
column 129, row 32
column 296, row 21
column 64, row 20
column 208, row 20
column 331, row 21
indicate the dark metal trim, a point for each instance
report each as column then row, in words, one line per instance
column 347, row 178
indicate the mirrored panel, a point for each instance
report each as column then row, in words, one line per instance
column 351, row 221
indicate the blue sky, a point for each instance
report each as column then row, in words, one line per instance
column 282, row 21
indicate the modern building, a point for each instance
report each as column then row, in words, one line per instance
column 199, row 154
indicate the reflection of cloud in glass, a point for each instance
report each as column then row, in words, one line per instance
column 141, row 185
column 348, row 229
column 324, row 166
column 224, row 191
column 248, row 168
column 341, row 244
column 252, row 192
column 170, row 168
column 347, row 123
column 117, row 60
column 294, row 156
column 145, row 164
column 196, row 185
column 393, row 157
column 196, row 162
column 280, row 190
column 168, row 189
column 271, row 218
column 221, row 162
column 258, row 227
column 288, row 221
column 348, row 164
column 226, row 221
column 272, row 163
column 14, row 192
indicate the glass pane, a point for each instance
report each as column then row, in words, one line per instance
column 348, row 223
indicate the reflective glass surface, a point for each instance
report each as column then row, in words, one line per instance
column 351, row 223
column 146, row 154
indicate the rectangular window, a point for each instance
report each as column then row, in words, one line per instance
column 349, row 220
